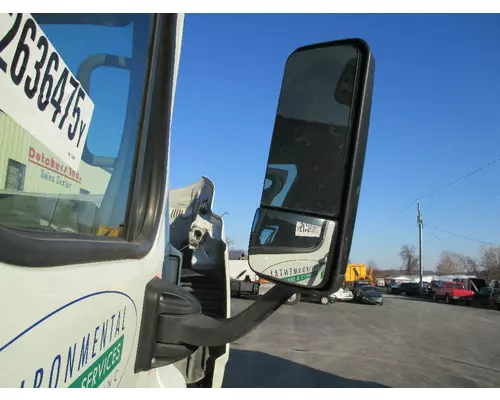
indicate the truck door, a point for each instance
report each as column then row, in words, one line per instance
column 440, row 290
column 85, row 106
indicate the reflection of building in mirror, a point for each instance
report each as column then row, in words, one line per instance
column 268, row 234
column 279, row 180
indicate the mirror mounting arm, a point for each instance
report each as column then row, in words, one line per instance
column 173, row 324
column 204, row 331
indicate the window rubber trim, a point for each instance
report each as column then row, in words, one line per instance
column 30, row 248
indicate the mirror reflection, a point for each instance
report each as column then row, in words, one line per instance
column 309, row 144
column 289, row 247
column 294, row 228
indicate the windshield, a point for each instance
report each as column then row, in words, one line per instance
column 455, row 285
column 70, row 110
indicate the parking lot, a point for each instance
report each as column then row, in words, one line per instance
column 404, row 343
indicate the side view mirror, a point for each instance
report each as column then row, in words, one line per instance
column 302, row 231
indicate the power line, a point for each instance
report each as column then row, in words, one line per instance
column 461, row 236
column 407, row 208
column 461, row 178
column 446, row 245
column 433, row 234
column 481, row 201
column 449, row 184
column 469, row 205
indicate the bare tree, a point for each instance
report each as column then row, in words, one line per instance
column 490, row 262
column 448, row 264
column 451, row 263
column 469, row 265
column 409, row 259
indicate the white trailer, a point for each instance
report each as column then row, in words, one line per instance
column 239, row 269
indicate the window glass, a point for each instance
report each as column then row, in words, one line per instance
column 71, row 91
column 14, row 179
column 456, row 286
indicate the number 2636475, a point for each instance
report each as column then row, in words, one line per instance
column 39, row 72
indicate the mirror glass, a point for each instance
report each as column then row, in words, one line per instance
column 308, row 151
column 290, row 247
column 294, row 227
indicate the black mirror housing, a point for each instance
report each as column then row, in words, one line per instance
column 303, row 229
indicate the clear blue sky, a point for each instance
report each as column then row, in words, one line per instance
column 434, row 118
column 436, row 96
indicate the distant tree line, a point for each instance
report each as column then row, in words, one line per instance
column 487, row 266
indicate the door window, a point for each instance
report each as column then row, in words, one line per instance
column 15, row 175
column 68, row 141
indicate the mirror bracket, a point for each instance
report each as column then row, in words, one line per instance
column 173, row 325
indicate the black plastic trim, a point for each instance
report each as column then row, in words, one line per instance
column 166, row 326
column 161, row 297
column 201, row 330
column 341, row 245
column 30, row 248
column 148, row 194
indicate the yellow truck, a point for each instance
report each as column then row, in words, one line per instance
column 356, row 275
column 356, row 272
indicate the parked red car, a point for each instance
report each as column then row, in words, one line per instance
column 451, row 292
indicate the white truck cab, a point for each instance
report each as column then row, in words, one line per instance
column 107, row 277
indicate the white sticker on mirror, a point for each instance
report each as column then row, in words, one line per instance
column 307, row 230
column 39, row 92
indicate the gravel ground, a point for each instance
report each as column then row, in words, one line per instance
column 404, row 343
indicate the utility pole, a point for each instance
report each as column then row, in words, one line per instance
column 420, row 226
